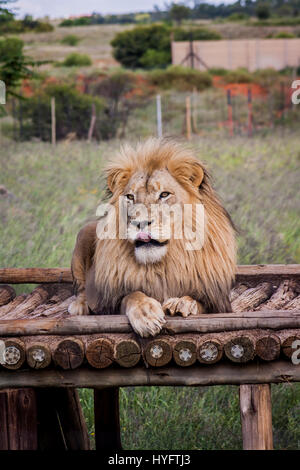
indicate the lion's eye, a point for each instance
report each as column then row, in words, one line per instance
column 130, row 197
column 164, row 195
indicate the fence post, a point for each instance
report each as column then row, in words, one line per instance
column 107, row 419
column 229, row 108
column 92, row 124
column 158, row 116
column 256, row 417
column 53, row 122
column 188, row 117
column 250, row 116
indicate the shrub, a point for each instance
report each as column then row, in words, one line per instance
column 129, row 47
column 238, row 76
column 180, row 78
column 73, row 112
column 284, row 35
column 238, row 17
column 76, row 60
column 153, row 59
column 70, row 40
column 263, row 11
column 198, row 34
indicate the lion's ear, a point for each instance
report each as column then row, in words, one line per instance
column 197, row 174
column 117, row 178
column 188, row 170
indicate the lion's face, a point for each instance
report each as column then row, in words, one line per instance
column 153, row 207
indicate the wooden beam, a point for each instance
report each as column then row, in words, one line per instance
column 18, row 420
column 107, row 419
column 256, row 417
column 206, row 323
column 281, row 371
column 244, row 273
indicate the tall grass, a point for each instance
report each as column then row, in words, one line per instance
column 53, row 191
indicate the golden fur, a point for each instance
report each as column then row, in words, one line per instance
column 106, row 271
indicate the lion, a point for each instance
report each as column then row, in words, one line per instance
column 149, row 273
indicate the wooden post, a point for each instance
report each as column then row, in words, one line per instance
column 250, row 116
column 256, row 417
column 92, row 124
column 158, row 116
column 18, row 420
column 188, row 117
column 53, row 122
column 107, row 419
column 229, row 108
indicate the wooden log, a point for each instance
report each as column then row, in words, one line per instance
column 293, row 304
column 237, row 291
column 100, row 352
column 37, row 297
column 107, row 419
column 268, row 347
column 287, row 291
column 252, row 297
column 58, row 310
column 244, row 273
column 38, row 354
column 99, row 324
column 127, row 352
column 158, row 352
column 185, row 351
column 61, row 424
column 287, row 338
column 240, row 348
column 256, row 417
column 18, row 419
column 210, row 350
column 7, row 294
column 68, row 353
column 6, row 309
column 222, row 373
column 12, row 353
column 35, row 275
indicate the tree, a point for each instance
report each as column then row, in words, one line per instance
column 5, row 13
column 263, row 11
column 179, row 12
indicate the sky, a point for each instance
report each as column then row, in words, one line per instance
column 66, row 8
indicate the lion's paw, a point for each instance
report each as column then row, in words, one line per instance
column 78, row 307
column 184, row 306
column 146, row 318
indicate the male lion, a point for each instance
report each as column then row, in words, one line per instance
column 150, row 272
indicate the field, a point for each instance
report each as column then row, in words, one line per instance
column 50, row 193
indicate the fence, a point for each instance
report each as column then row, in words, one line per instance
column 47, row 354
column 252, row 54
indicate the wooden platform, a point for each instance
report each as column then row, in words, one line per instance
column 43, row 348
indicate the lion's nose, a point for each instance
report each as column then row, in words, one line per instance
column 141, row 224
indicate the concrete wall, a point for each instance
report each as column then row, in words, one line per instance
column 252, row 54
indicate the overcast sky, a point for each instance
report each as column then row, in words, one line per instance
column 65, row 8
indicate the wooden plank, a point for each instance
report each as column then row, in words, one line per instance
column 206, row 323
column 244, row 273
column 256, row 417
column 18, row 420
column 107, row 419
column 281, row 371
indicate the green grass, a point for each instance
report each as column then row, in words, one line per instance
column 53, row 191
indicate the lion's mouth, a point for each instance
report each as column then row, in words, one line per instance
column 150, row 244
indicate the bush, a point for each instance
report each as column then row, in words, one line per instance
column 263, row 11
column 237, row 17
column 73, row 113
column 198, row 34
column 70, row 40
column 180, row 78
column 284, row 35
column 76, row 60
column 14, row 66
column 238, row 76
column 130, row 48
column 153, row 59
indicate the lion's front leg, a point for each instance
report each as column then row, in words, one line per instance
column 184, row 306
column 145, row 314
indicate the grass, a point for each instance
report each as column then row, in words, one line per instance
column 54, row 191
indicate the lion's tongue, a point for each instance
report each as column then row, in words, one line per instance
column 143, row 237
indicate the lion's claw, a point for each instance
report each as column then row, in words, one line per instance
column 184, row 306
